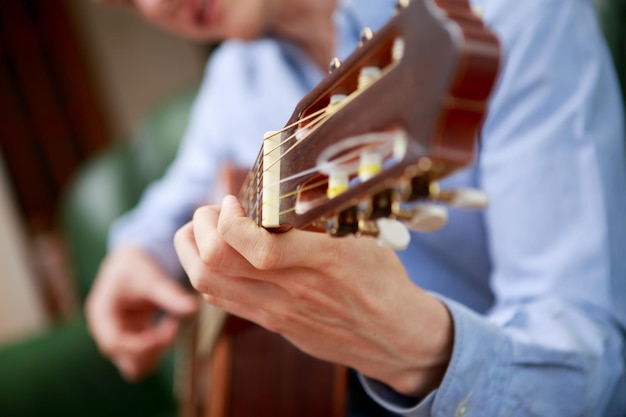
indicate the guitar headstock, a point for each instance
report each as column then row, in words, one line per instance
column 372, row 139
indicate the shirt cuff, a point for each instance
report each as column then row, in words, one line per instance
column 475, row 377
column 159, row 244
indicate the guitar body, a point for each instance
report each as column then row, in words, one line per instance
column 254, row 372
column 436, row 64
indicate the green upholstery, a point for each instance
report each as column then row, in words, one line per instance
column 61, row 373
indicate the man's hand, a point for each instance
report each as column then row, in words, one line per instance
column 133, row 310
column 345, row 300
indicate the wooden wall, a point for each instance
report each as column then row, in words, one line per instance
column 51, row 116
column 75, row 76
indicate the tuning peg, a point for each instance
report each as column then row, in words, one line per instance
column 401, row 4
column 345, row 223
column 427, row 218
column 336, row 99
column 338, row 182
column 302, row 133
column 366, row 35
column 334, row 64
column 370, row 164
column 468, row 198
column 477, row 11
column 392, row 234
column 368, row 76
column 397, row 49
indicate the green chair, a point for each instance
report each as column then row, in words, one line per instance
column 61, row 372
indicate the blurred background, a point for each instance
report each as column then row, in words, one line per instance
column 76, row 79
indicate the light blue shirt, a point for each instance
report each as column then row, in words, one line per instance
column 536, row 283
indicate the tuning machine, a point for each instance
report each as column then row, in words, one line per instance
column 411, row 205
column 422, row 205
column 343, row 223
column 389, row 233
column 360, row 218
column 423, row 217
column 463, row 197
column 371, row 217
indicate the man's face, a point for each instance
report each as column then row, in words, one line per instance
column 207, row 20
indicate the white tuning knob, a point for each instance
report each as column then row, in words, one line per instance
column 392, row 234
column 428, row 218
column 469, row 198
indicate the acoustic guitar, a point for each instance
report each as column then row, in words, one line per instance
column 361, row 154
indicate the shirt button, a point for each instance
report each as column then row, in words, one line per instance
column 461, row 409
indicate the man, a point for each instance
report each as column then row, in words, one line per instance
column 519, row 310
column 251, row 87
column 278, row 50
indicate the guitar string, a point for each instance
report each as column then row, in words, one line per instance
column 317, row 117
column 345, row 158
column 260, row 186
column 313, row 115
column 327, row 113
column 352, row 155
column 258, row 174
column 324, row 114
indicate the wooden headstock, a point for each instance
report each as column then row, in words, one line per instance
column 405, row 109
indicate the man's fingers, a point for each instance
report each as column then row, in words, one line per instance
column 221, row 283
column 270, row 251
column 203, row 253
column 210, row 246
column 170, row 297
column 135, row 369
column 246, row 237
column 136, row 353
column 188, row 255
column 104, row 322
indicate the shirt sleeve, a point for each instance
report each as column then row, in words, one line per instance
column 551, row 160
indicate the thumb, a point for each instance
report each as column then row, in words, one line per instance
column 231, row 207
column 171, row 297
column 233, row 225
